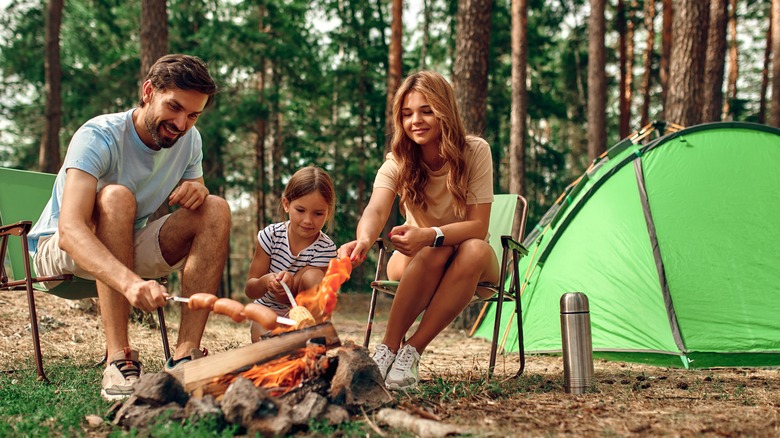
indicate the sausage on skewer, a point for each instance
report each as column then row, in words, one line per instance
column 231, row 308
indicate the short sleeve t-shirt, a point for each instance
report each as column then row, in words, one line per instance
column 479, row 170
column 274, row 241
column 109, row 148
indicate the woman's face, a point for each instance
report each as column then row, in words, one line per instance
column 418, row 119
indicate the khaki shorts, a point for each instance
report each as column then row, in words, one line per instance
column 149, row 261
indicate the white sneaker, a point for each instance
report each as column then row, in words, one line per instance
column 405, row 369
column 384, row 358
column 120, row 375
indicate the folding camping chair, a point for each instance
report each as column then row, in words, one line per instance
column 23, row 195
column 505, row 209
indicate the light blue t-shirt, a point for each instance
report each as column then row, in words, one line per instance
column 109, row 148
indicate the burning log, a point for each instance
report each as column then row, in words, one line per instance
column 196, row 374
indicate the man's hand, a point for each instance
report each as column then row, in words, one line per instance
column 355, row 250
column 146, row 295
column 189, row 195
column 409, row 240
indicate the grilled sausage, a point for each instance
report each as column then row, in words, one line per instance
column 231, row 308
column 202, row 301
column 261, row 315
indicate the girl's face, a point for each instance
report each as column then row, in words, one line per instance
column 418, row 120
column 307, row 215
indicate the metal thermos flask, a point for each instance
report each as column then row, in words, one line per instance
column 576, row 341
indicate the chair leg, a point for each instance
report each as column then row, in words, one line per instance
column 163, row 332
column 519, row 314
column 35, row 335
column 370, row 323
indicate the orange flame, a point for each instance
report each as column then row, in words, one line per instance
column 286, row 373
column 321, row 300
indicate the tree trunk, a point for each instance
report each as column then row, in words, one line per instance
column 686, row 91
column 733, row 61
column 394, row 67
column 715, row 61
column 154, row 44
column 519, row 101
column 648, row 62
column 470, row 70
column 426, row 36
column 666, row 46
column 154, row 33
column 597, row 81
column 49, row 150
column 765, row 70
column 261, row 127
column 774, row 118
column 624, row 93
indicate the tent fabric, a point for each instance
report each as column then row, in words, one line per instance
column 676, row 244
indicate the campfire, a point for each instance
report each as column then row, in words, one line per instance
column 299, row 373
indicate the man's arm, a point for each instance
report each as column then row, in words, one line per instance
column 78, row 239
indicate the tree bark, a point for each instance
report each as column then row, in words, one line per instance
column 765, row 70
column 597, row 81
column 686, row 91
column 470, row 70
column 733, row 61
column 774, row 118
column 49, row 150
column 715, row 61
column 154, row 33
column 394, row 67
column 519, row 110
column 648, row 62
column 666, row 46
column 261, row 127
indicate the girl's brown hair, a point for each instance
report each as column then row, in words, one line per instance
column 440, row 96
column 308, row 180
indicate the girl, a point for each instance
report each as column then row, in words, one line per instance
column 445, row 182
column 296, row 251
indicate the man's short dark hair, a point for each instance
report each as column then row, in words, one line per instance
column 184, row 72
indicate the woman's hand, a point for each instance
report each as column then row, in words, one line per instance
column 409, row 240
column 355, row 250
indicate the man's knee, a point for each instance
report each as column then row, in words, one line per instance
column 116, row 200
column 216, row 210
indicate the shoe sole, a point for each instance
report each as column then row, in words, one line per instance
column 397, row 387
column 114, row 397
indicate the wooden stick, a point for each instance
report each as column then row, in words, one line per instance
column 196, row 373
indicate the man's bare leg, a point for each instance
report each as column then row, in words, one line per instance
column 114, row 217
column 201, row 236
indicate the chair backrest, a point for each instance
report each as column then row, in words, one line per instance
column 23, row 195
column 502, row 216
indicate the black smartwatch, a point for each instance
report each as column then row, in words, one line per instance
column 439, row 240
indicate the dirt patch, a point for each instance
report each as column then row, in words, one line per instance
column 630, row 399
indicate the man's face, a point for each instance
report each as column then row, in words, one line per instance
column 169, row 114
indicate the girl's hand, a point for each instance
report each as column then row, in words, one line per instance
column 355, row 250
column 275, row 286
column 409, row 240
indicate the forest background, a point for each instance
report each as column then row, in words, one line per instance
column 549, row 84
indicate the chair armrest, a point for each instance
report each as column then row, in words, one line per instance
column 513, row 245
column 15, row 229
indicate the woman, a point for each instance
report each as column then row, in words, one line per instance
column 445, row 182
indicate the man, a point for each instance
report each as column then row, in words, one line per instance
column 118, row 170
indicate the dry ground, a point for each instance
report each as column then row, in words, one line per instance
column 630, row 399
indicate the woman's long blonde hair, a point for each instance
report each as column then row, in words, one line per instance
column 440, row 96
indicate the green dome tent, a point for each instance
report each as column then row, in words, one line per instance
column 675, row 242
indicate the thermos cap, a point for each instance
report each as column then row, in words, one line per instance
column 574, row 302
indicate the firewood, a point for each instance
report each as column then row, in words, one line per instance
column 197, row 373
column 398, row 419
